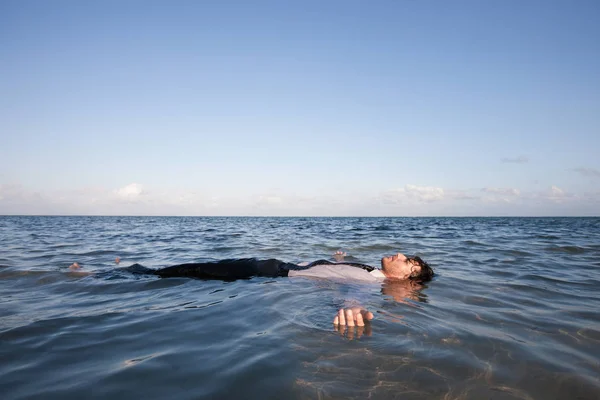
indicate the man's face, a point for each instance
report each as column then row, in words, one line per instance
column 398, row 266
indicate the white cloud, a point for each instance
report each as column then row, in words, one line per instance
column 556, row 194
column 501, row 195
column 413, row 194
column 425, row 193
column 135, row 199
column 270, row 200
column 502, row 191
column 16, row 199
column 464, row 197
column 552, row 195
column 130, row 192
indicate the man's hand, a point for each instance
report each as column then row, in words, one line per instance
column 346, row 320
column 339, row 256
column 352, row 316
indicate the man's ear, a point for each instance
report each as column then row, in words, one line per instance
column 415, row 270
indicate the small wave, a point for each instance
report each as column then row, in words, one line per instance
column 566, row 249
column 220, row 249
column 534, row 290
column 589, row 333
column 473, row 243
column 503, row 274
column 382, row 228
column 220, row 238
column 519, row 253
column 9, row 272
column 541, row 278
column 376, row 247
column 90, row 253
column 490, row 260
column 135, row 361
column 63, row 246
column 552, row 237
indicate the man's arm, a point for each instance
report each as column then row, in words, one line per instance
column 350, row 316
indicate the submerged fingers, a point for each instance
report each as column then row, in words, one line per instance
column 352, row 317
column 350, row 323
column 349, row 317
column 359, row 320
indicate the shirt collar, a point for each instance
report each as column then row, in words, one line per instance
column 377, row 273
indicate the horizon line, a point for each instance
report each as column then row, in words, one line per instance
column 301, row 216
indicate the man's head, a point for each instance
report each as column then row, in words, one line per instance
column 401, row 267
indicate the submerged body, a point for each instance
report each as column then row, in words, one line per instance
column 398, row 268
column 395, row 267
column 246, row 268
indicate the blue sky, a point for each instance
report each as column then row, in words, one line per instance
column 300, row 108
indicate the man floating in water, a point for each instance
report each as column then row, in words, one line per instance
column 395, row 268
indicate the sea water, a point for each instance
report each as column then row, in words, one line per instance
column 513, row 312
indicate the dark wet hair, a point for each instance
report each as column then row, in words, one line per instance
column 426, row 272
